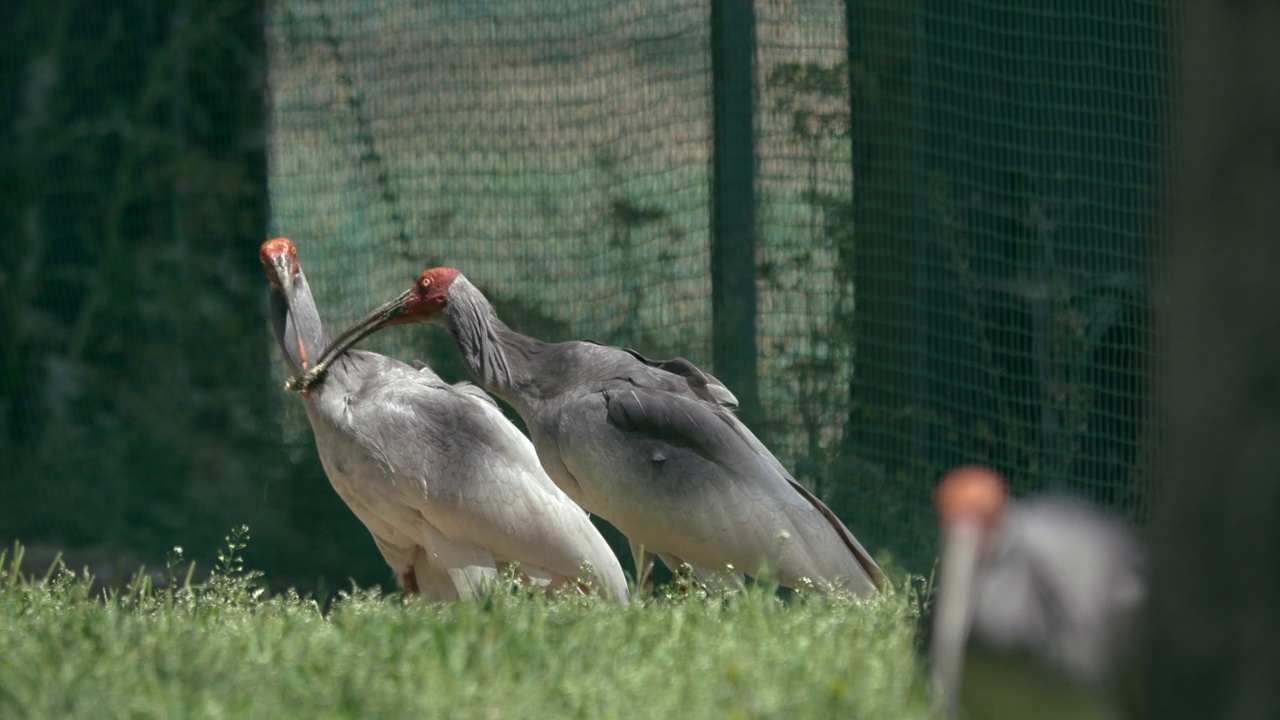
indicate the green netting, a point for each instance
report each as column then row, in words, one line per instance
column 557, row 154
column 955, row 206
column 1004, row 238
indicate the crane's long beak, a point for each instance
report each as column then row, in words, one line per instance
column 380, row 317
column 282, row 270
column 953, row 612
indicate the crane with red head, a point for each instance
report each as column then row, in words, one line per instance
column 451, row 491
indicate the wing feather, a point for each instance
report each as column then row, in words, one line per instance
column 700, row 383
column 689, row 480
column 710, row 438
column 475, row 478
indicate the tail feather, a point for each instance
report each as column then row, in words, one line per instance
column 860, row 553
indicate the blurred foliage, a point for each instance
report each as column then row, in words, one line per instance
column 134, row 381
column 221, row 648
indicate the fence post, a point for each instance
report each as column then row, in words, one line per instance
column 1216, row 559
column 881, row 45
column 733, row 202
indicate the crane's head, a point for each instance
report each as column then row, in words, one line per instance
column 970, row 501
column 420, row 303
column 279, row 258
column 970, row 494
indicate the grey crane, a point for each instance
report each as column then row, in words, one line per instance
column 1040, row 605
column 651, row 446
column 451, row 491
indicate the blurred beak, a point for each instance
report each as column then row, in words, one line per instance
column 953, row 613
column 387, row 314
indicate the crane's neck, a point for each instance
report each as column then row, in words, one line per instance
column 298, row 327
column 496, row 356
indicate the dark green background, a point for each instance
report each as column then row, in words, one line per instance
column 952, row 224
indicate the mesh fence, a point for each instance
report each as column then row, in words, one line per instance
column 955, row 206
column 559, row 157
column 1035, row 170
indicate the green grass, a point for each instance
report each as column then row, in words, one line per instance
column 223, row 649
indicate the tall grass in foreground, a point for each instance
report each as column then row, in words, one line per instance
column 221, row 649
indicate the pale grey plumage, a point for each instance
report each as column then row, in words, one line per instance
column 1064, row 584
column 446, row 485
column 649, row 445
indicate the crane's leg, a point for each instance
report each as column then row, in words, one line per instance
column 409, row 582
column 403, row 561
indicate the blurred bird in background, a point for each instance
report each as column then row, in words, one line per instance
column 1040, row 606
